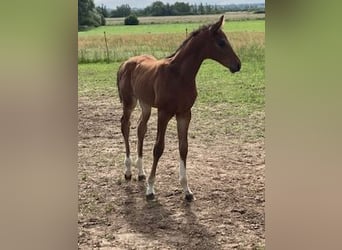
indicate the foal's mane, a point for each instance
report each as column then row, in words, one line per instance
column 192, row 34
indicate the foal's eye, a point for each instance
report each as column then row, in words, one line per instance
column 221, row 43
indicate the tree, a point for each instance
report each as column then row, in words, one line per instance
column 208, row 9
column 158, row 8
column 103, row 10
column 87, row 14
column 194, row 9
column 201, row 9
column 121, row 11
column 181, row 8
column 168, row 10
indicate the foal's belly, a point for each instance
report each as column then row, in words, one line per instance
column 175, row 102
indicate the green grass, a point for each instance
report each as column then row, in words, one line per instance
column 217, row 85
column 231, row 26
column 97, row 79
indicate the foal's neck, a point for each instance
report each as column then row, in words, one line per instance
column 189, row 59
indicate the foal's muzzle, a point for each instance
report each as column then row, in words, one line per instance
column 235, row 68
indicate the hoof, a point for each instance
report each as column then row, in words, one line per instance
column 189, row 197
column 128, row 177
column 141, row 177
column 150, row 196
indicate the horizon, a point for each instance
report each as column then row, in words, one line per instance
column 140, row 4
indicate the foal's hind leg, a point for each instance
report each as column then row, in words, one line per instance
column 128, row 107
column 142, row 128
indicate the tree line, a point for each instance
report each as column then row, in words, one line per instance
column 90, row 15
column 158, row 8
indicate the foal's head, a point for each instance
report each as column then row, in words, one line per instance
column 218, row 48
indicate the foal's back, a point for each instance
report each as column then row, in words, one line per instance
column 142, row 78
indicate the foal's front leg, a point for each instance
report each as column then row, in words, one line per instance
column 183, row 121
column 163, row 120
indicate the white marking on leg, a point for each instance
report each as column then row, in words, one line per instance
column 139, row 164
column 150, row 186
column 128, row 164
column 182, row 178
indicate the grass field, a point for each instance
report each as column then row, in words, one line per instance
column 226, row 160
column 230, row 26
column 160, row 40
column 229, row 16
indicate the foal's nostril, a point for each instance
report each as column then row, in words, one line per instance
column 239, row 67
column 236, row 68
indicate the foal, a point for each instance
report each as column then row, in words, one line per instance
column 169, row 85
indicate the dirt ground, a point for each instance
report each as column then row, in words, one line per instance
column 225, row 173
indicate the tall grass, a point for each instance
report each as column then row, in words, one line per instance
column 92, row 49
column 161, row 40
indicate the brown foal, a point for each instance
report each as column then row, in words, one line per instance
column 169, row 85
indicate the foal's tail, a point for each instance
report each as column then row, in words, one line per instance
column 118, row 78
column 123, row 79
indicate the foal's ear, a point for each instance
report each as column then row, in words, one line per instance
column 216, row 26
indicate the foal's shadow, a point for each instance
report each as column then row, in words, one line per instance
column 155, row 222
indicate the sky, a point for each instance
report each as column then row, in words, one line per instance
column 111, row 4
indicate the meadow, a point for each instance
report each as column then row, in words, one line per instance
column 226, row 160
column 231, row 16
column 159, row 40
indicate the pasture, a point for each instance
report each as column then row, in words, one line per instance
column 159, row 40
column 226, row 159
column 230, row 16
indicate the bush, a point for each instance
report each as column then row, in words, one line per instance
column 131, row 20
